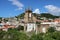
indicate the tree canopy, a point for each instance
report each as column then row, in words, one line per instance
column 13, row 34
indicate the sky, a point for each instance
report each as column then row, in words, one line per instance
column 11, row 8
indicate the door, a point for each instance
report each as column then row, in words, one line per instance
column 31, row 27
column 44, row 30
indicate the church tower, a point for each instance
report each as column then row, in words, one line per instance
column 30, row 20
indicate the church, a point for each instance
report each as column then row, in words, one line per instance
column 31, row 23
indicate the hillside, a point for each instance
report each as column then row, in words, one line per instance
column 48, row 15
column 20, row 15
column 38, row 16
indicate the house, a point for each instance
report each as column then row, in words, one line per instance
column 45, row 25
column 57, row 20
column 6, row 26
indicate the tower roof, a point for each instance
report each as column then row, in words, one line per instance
column 28, row 10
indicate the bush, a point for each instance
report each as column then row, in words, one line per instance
column 51, row 29
column 14, row 34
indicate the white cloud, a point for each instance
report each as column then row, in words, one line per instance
column 36, row 11
column 17, row 3
column 53, row 9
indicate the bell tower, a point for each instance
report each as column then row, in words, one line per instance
column 30, row 21
column 28, row 16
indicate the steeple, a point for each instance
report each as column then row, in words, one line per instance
column 28, row 10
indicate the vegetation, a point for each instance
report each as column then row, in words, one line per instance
column 51, row 29
column 38, row 16
column 0, row 19
column 48, row 15
column 13, row 34
column 20, row 16
column 19, row 28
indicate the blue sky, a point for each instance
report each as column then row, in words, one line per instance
column 15, row 7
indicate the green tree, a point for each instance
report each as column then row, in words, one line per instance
column 20, row 28
column 48, row 36
column 13, row 34
column 2, row 33
column 56, row 35
column 51, row 29
column 36, row 37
